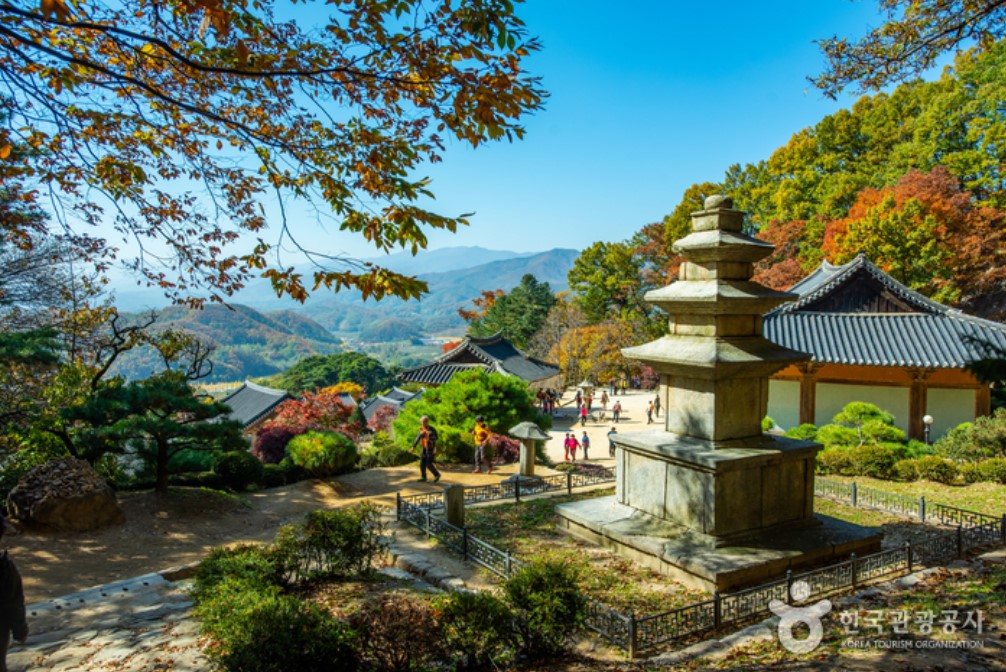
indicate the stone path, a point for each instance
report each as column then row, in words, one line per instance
column 145, row 624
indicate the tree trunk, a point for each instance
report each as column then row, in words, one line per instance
column 161, row 485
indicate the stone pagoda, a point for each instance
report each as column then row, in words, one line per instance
column 710, row 499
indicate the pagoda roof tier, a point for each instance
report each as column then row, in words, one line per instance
column 719, row 297
column 714, row 358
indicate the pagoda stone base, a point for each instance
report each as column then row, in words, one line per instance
column 727, row 491
column 695, row 560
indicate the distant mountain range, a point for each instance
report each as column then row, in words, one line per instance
column 259, row 334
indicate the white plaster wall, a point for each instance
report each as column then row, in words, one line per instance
column 949, row 408
column 831, row 398
column 784, row 402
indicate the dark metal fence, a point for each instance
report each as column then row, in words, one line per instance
column 961, row 530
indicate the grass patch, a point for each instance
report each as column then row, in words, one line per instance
column 529, row 530
column 987, row 498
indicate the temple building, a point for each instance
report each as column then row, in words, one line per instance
column 253, row 405
column 493, row 354
column 396, row 398
column 875, row 340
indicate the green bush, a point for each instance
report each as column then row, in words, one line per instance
column 907, row 469
column 835, row 435
column 476, row 628
column 834, row 461
column 273, row 476
column 192, row 460
column 383, row 452
column 767, row 424
column 293, row 473
column 939, row 469
column 993, row 470
column 805, row 432
column 338, row 542
column 875, row 431
column 250, row 564
column 972, row 442
column 196, row 479
column 238, row 469
column 916, row 448
column 399, row 632
column 873, row 461
column 549, row 609
column 322, row 454
column 971, row 472
column 263, row 630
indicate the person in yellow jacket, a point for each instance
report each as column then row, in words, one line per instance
column 482, row 436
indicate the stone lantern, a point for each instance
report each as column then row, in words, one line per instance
column 709, row 498
column 527, row 433
column 587, row 388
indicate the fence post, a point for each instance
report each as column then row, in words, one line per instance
column 717, row 610
column 1002, row 529
column 398, row 506
column 852, row 557
column 464, row 542
column 569, row 482
column 960, row 540
column 922, row 508
column 633, row 644
column 789, row 586
column 516, row 489
column 427, row 512
column 908, row 553
column 509, row 565
column 855, row 494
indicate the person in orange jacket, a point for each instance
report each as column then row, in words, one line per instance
column 482, row 436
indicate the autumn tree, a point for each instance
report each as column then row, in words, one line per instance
column 564, row 316
column 596, row 351
column 915, row 34
column 928, row 234
column 173, row 122
column 317, row 411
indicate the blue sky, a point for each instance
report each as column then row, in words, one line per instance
column 647, row 98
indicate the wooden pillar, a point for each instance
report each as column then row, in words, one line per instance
column 808, row 392
column 918, row 401
column 983, row 401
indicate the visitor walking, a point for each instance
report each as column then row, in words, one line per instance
column 482, row 436
column 649, row 414
column 656, row 405
column 13, row 620
column 585, row 443
column 579, row 399
column 565, row 447
column 583, row 415
column 611, row 441
column 616, row 411
column 428, row 438
column 573, row 445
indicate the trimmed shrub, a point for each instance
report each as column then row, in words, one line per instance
column 199, row 479
column 192, row 460
column 873, row 461
column 338, row 542
column 238, row 469
column 805, row 432
column 834, row 461
column 916, row 448
column 273, row 476
column 836, row 435
column 271, row 441
column 398, row 633
column 767, row 424
column 971, row 472
column 263, row 630
column 972, row 442
column 476, row 628
column 504, row 450
column 993, row 470
column 939, row 469
column 323, row 454
column 383, row 452
column 875, row 431
column 549, row 609
column 907, row 469
column 255, row 566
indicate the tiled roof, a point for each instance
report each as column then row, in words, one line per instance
column 913, row 330
column 492, row 354
column 396, row 397
column 251, row 402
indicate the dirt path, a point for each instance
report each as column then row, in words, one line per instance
column 181, row 527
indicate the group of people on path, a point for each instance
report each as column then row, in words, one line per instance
column 427, row 439
column 570, row 445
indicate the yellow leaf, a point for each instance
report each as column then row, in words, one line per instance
column 4, row 152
